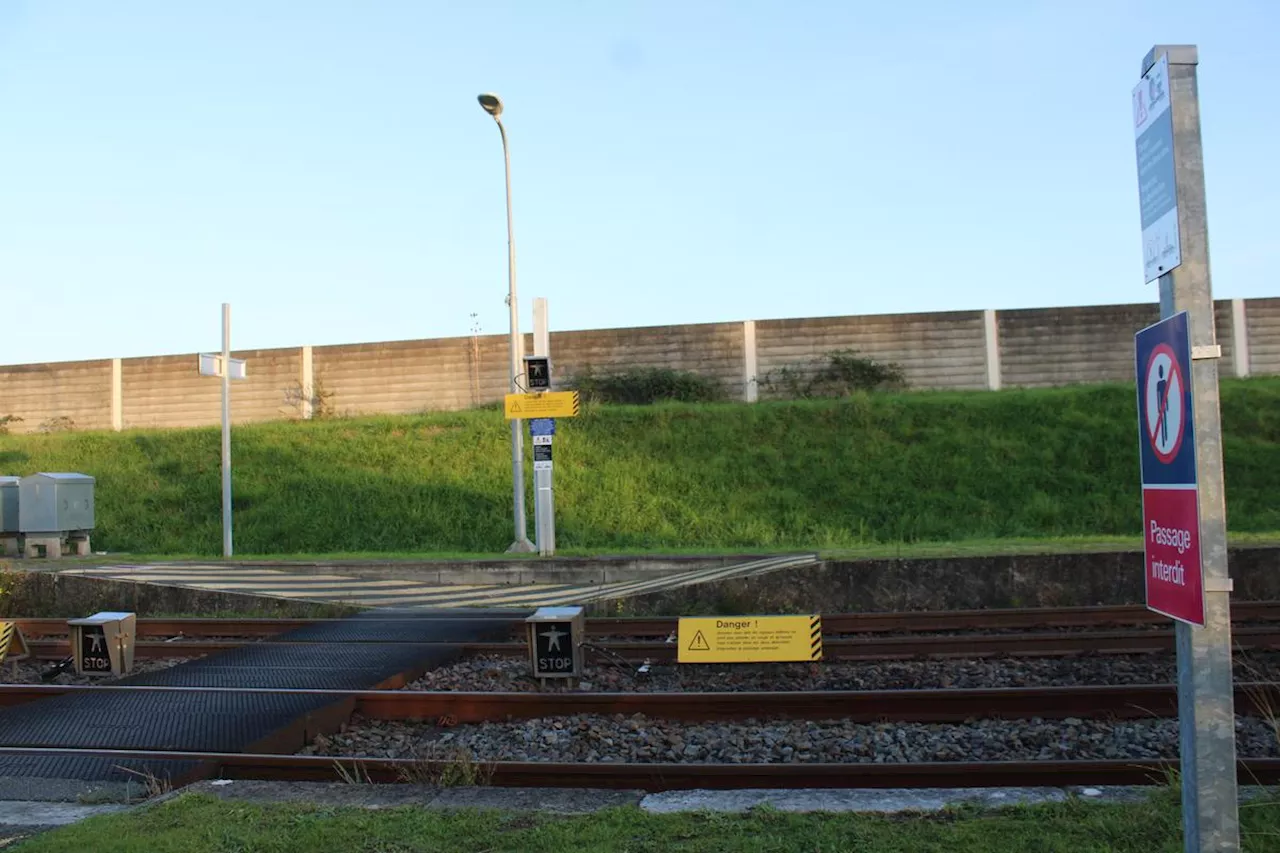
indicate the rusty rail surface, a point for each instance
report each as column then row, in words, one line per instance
column 669, row 777
column 833, row 624
column 866, row 706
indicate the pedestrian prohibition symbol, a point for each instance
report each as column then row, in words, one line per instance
column 1165, row 417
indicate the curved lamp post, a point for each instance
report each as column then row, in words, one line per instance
column 492, row 104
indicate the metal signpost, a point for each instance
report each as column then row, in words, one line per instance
column 538, row 369
column 227, row 368
column 1181, row 435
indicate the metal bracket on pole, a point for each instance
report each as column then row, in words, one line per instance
column 1215, row 585
column 1203, row 352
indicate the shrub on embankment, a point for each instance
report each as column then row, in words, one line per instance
column 810, row 474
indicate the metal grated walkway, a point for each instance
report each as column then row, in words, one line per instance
column 353, row 654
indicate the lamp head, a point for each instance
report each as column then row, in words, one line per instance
column 492, row 104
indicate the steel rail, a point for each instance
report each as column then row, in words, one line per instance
column 668, row 777
column 834, row 650
column 833, row 624
column 866, row 706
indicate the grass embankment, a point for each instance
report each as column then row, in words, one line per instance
column 205, row 825
column 839, row 474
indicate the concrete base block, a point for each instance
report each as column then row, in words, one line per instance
column 52, row 546
column 9, row 545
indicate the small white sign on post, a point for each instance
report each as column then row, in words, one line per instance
column 1157, row 181
column 211, row 365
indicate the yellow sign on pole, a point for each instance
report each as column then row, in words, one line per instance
column 551, row 404
column 12, row 644
column 750, row 639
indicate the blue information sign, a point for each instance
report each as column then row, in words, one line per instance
column 542, row 426
column 1157, row 187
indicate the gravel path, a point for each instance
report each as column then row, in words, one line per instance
column 495, row 673
column 640, row 739
column 29, row 671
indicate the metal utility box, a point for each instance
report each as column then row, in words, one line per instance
column 54, row 503
column 9, row 504
column 103, row 643
column 555, row 641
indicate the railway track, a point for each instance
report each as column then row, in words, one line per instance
column 854, row 637
column 869, row 706
column 1139, row 641
column 834, row 625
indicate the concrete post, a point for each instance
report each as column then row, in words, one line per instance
column 1206, row 714
column 306, row 378
column 991, row 340
column 750, row 378
column 117, row 395
column 1239, row 338
column 226, row 430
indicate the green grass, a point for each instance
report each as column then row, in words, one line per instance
column 195, row 824
column 873, row 471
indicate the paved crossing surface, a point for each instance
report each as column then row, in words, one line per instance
column 371, row 592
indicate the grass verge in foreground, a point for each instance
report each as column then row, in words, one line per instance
column 197, row 824
column 813, row 475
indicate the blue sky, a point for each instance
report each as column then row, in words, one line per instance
column 325, row 168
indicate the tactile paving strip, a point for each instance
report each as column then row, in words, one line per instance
column 230, row 722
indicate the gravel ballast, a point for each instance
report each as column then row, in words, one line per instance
column 29, row 672
column 496, row 673
column 637, row 738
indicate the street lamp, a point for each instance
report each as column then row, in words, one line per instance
column 492, row 104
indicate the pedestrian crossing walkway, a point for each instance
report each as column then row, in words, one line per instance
column 370, row 592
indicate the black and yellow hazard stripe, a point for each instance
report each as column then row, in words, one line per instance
column 7, row 630
column 815, row 638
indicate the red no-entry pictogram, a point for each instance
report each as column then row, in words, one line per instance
column 1164, row 409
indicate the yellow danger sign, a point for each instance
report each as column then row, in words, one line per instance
column 750, row 639
column 12, row 644
column 551, row 404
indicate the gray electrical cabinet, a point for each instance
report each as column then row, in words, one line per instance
column 9, row 504
column 54, row 503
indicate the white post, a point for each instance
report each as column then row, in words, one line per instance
column 117, row 395
column 226, row 430
column 991, row 341
column 1239, row 338
column 750, row 368
column 1206, row 700
column 544, row 507
column 307, row 381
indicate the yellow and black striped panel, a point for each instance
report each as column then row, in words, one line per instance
column 815, row 638
column 7, row 632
